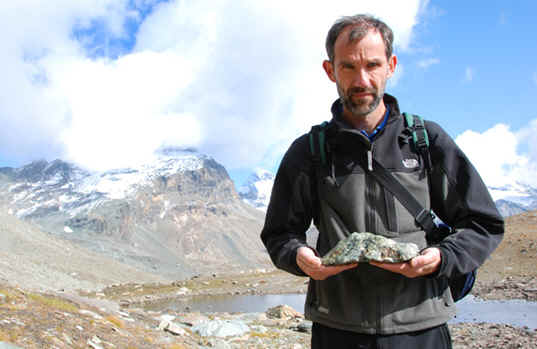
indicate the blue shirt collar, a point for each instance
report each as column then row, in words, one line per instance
column 379, row 127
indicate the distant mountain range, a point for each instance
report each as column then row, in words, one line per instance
column 177, row 215
column 514, row 198
column 510, row 199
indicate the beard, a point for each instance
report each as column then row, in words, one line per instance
column 360, row 107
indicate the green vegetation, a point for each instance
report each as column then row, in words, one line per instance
column 53, row 302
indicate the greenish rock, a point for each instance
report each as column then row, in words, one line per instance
column 365, row 247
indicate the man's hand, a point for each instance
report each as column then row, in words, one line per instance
column 312, row 266
column 426, row 263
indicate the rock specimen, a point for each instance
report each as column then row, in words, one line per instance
column 365, row 247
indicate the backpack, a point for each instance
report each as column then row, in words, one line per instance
column 436, row 230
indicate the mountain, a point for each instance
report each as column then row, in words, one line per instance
column 514, row 198
column 257, row 189
column 176, row 215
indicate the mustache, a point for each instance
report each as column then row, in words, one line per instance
column 354, row 90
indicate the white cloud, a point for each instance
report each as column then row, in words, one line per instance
column 237, row 79
column 502, row 156
column 469, row 73
column 426, row 63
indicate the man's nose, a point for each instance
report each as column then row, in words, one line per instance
column 361, row 78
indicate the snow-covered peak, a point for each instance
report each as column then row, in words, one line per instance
column 514, row 197
column 257, row 189
column 119, row 183
column 61, row 185
column 260, row 174
column 516, row 192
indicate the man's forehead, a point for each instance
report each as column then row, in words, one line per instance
column 354, row 33
column 348, row 44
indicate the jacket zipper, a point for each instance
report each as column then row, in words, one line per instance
column 371, row 188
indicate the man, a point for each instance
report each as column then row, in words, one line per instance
column 370, row 305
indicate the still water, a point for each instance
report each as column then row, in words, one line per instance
column 514, row 312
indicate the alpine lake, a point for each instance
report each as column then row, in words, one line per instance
column 517, row 313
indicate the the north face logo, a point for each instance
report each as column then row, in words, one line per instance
column 410, row 163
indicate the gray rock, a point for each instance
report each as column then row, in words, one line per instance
column 283, row 312
column 171, row 327
column 221, row 328
column 218, row 344
column 365, row 247
column 304, row 326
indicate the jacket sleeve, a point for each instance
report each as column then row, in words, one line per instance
column 461, row 199
column 289, row 213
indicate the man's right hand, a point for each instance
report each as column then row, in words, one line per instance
column 312, row 266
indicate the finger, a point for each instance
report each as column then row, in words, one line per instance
column 393, row 267
column 340, row 268
column 419, row 261
column 324, row 272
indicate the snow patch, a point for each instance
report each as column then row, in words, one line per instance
column 257, row 190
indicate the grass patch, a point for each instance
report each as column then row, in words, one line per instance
column 8, row 295
column 3, row 337
column 9, row 337
column 177, row 346
column 117, row 322
column 264, row 334
column 53, row 302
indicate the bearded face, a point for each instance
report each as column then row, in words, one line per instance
column 360, row 101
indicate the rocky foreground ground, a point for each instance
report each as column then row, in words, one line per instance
column 117, row 316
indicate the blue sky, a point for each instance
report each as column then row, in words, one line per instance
column 106, row 83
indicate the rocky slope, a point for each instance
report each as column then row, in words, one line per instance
column 176, row 215
column 33, row 259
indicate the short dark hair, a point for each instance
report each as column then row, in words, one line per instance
column 362, row 25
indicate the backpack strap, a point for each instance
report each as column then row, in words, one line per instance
column 420, row 138
column 317, row 140
column 317, row 137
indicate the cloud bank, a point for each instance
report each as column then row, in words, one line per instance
column 503, row 156
column 105, row 83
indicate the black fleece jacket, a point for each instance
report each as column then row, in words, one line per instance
column 457, row 195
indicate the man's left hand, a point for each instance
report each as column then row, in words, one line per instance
column 426, row 263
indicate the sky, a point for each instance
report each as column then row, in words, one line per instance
column 106, row 83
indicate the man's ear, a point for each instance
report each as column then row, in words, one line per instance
column 329, row 69
column 392, row 63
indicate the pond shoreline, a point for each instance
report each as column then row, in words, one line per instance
column 273, row 282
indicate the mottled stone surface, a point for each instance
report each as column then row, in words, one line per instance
column 365, row 247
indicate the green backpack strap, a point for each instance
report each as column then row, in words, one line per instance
column 317, row 138
column 420, row 138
